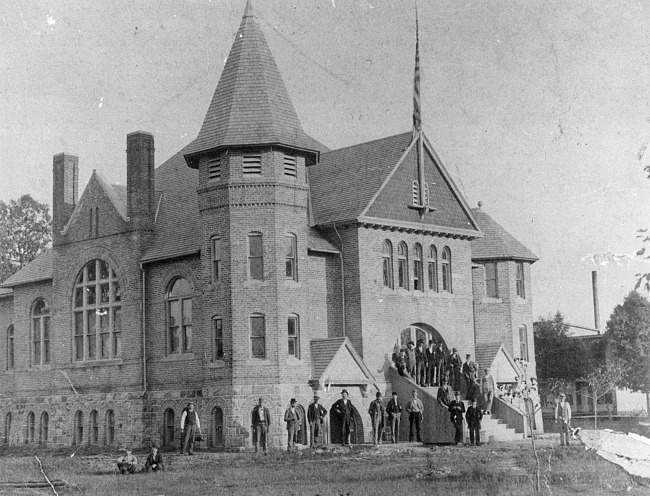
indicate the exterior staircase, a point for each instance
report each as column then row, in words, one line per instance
column 437, row 427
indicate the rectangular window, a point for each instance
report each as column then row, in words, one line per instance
column 214, row 169
column 491, row 288
column 46, row 340
column 91, row 334
column 290, row 168
column 255, row 257
column 10, row 348
column 104, row 334
column 217, row 353
column 174, row 325
column 521, row 290
column 117, row 332
column 417, row 275
column 37, row 341
column 402, row 273
column 290, row 257
column 433, row 276
column 187, row 325
column 216, row 260
column 294, row 335
column 79, row 336
column 252, row 163
column 258, row 337
column 523, row 342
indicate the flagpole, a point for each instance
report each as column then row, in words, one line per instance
column 417, row 112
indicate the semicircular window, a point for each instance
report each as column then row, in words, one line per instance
column 97, row 313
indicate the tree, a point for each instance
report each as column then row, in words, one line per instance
column 602, row 380
column 25, row 232
column 628, row 335
column 556, row 353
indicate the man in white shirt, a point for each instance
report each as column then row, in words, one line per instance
column 563, row 418
column 190, row 425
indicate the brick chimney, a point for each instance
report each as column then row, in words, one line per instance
column 65, row 191
column 140, row 194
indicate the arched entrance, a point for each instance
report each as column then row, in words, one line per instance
column 217, row 428
column 418, row 331
column 356, row 427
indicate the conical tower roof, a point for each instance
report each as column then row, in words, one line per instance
column 251, row 105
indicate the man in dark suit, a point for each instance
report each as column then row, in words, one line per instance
column 420, row 364
column 445, row 394
column 377, row 412
column 440, row 360
column 431, row 363
column 394, row 409
column 261, row 424
column 470, row 374
column 474, row 416
column 345, row 411
column 456, row 410
column 455, row 363
column 316, row 414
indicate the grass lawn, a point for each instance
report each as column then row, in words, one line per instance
column 496, row 469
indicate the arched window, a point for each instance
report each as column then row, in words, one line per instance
column 168, row 429
column 523, row 342
column 29, row 434
column 8, row 428
column 446, row 270
column 432, row 268
column 217, row 427
column 78, row 432
column 291, row 265
column 293, row 332
column 179, row 317
column 110, row 427
column 387, row 266
column 10, row 347
column 258, row 336
column 44, row 428
column 97, row 313
column 255, row 256
column 402, row 266
column 94, row 427
column 40, row 332
column 418, row 276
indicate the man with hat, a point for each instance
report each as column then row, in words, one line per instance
column 455, row 364
column 316, row 414
column 440, row 360
column 345, row 411
column 154, row 460
column 470, row 374
column 261, row 424
column 415, row 409
column 377, row 413
column 394, row 410
column 563, row 418
column 127, row 463
column 190, row 425
column 293, row 420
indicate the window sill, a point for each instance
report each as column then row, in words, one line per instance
column 97, row 363
column 176, row 357
column 488, row 300
column 217, row 364
column 47, row 366
column 292, row 361
column 215, row 286
column 291, row 283
column 520, row 300
column 255, row 283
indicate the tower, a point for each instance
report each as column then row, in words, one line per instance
column 252, row 155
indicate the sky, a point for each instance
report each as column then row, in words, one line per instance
column 540, row 110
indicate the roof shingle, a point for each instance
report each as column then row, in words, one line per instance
column 497, row 244
column 39, row 269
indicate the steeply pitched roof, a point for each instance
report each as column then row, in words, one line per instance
column 177, row 227
column 116, row 193
column 374, row 182
column 345, row 180
column 487, row 353
column 39, row 269
column 251, row 105
column 497, row 244
column 335, row 361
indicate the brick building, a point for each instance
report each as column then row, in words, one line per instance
column 253, row 263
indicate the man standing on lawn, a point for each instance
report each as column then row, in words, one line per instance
column 261, row 424
column 377, row 413
column 474, row 416
column 190, row 426
column 345, row 411
column 563, row 419
column 394, row 410
column 456, row 410
column 292, row 418
column 316, row 414
column 416, row 410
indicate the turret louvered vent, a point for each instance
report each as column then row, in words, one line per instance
column 252, row 163
column 290, row 165
column 214, row 169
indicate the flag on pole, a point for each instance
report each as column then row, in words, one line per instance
column 417, row 115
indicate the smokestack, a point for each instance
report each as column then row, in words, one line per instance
column 594, row 285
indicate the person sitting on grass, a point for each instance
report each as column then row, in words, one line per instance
column 127, row 463
column 154, row 460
